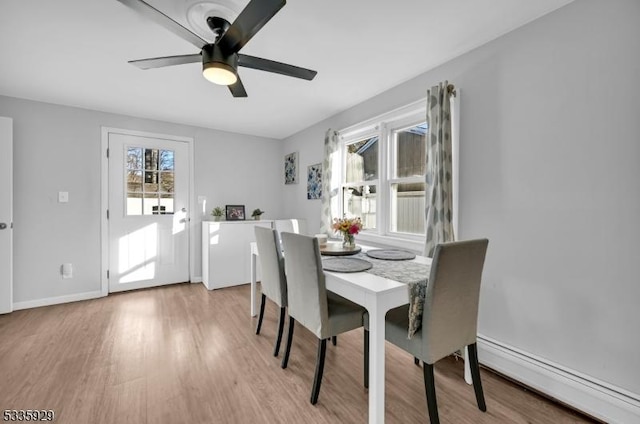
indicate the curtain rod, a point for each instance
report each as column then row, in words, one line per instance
column 451, row 89
column 370, row 121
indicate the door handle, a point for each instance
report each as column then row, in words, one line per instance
column 3, row 225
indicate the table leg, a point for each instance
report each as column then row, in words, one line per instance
column 253, row 311
column 376, row 364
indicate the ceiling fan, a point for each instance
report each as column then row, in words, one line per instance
column 220, row 59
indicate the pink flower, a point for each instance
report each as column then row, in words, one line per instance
column 347, row 226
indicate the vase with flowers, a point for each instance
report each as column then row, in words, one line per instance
column 348, row 228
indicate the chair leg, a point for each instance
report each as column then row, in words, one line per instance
column 261, row 314
column 334, row 340
column 430, row 388
column 366, row 359
column 276, row 350
column 475, row 375
column 416, row 361
column 285, row 359
column 317, row 380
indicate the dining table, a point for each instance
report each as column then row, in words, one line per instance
column 377, row 294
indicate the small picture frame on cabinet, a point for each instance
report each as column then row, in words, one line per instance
column 234, row 212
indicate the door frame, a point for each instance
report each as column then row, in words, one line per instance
column 104, row 197
column 6, row 128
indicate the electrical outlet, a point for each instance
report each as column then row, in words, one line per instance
column 66, row 270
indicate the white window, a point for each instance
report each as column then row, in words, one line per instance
column 383, row 173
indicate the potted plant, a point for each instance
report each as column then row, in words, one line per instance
column 217, row 213
column 256, row 214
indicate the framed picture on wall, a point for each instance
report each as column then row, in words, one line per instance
column 234, row 212
column 314, row 181
column 291, row 168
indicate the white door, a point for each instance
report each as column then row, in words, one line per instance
column 148, row 219
column 6, row 215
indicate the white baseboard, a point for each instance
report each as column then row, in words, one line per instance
column 57, row 300
column 69, row 298
column 585, row 393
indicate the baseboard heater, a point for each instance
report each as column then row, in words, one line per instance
column 594, row 398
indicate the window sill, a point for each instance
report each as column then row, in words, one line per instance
column 415, row 245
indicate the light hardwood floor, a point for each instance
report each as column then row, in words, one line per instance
column 182, row 354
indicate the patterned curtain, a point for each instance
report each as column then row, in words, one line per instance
column 330, row 181
column 439, row 187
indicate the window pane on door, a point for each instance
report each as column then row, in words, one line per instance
column 361, row 201
column 407, row 208
column 166, row 203
column 134, row 181
column 150, row 204
column 166, row 160
column 151, row 159
column 362, row 160
column 166, row 182
column 134, row 204
column 134, row 158
column 150, row 181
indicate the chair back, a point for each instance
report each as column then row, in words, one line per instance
column 298, row 226
column 450, row 317
column 273, row 281
column 307, row 293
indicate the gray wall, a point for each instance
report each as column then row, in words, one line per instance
column 57, row 148
column 549, row 172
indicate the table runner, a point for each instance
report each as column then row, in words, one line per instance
column 415, row 275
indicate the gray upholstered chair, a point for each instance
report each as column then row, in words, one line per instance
column 298, row 226
column 273, row 282
column 450, row 317
column 323, row 313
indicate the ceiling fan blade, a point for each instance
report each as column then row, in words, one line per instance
column 276, row 67
column 251, row 19
column 237, row 89
column 161, row 19
column 159, row 62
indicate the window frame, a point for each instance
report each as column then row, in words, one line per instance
column 384, row 127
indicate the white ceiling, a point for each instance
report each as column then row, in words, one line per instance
column 75, row 52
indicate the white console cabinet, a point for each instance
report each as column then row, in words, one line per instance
column 225, row 252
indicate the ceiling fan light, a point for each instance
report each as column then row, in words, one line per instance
column 219, row 73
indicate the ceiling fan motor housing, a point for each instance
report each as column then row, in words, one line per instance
column 212, row 57
column 218, row 26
